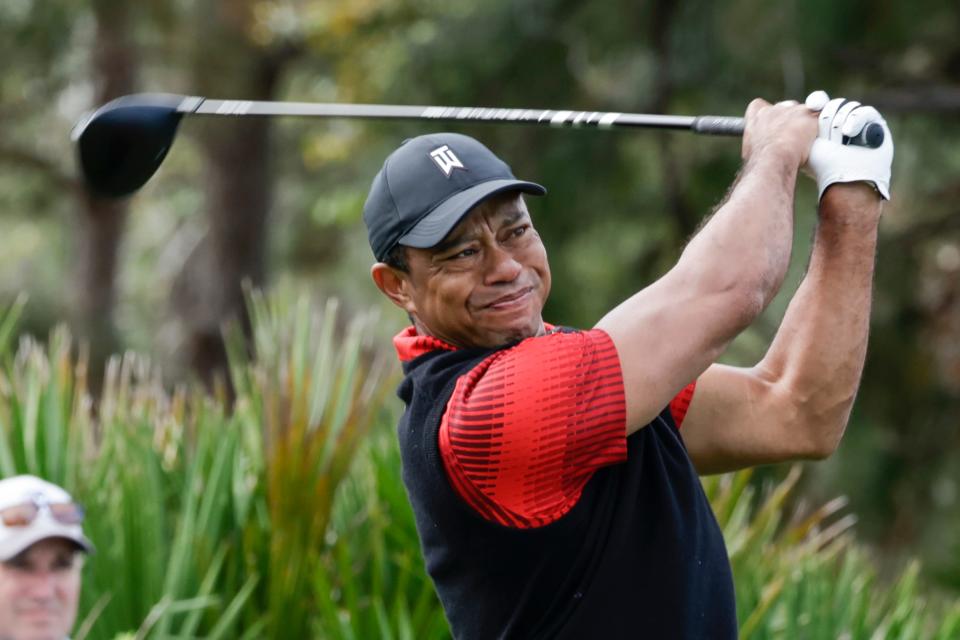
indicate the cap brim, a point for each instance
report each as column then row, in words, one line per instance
column 435, row 226
column 31, row 535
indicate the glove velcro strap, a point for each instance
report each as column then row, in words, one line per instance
column 882, row 188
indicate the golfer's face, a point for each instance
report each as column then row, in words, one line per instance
column 39, row 590
column 485, row 284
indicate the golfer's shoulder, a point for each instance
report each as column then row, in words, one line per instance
column 560, row 359
column 557, row 344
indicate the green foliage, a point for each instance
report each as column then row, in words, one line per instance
column 372, row 584
column 315, row 396
column 804, row 577
column 207, row 521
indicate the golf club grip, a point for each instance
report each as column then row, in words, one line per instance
column 718, row 125
column 871, row 136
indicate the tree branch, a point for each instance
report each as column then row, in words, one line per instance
column 20, row 157
column 926, row 99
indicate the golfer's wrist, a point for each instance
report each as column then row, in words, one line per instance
column 851, row 203
column 778, row 159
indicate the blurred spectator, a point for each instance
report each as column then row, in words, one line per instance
column 41, row 555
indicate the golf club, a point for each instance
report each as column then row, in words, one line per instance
column 122, row 144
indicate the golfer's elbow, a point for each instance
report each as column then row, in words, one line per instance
column 735, row 297
column 820, row 419
column 758, row 283
column 824, row 442
column 746, row 282
column 744, row 299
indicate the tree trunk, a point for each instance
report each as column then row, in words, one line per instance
column 208, row 292
column 100, row 221
column 674, row 185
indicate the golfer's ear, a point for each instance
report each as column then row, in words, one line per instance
column 393, row 284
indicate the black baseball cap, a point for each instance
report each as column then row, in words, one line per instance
column 427, row 185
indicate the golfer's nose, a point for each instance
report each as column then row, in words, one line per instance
column 501, row 266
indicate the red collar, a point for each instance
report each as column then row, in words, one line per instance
column 411, row 345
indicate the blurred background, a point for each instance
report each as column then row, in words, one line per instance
column 277, row 203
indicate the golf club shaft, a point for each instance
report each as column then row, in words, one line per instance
column 717, row 125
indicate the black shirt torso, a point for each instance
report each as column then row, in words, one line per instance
column 639, row 556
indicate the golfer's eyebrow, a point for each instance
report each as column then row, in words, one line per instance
column 512, row 217
column 506, row 220
column 450, row 242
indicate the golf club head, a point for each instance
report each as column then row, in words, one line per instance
column 121, row 145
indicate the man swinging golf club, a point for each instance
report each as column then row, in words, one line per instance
column 553, row 471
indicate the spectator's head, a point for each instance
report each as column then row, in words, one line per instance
column 41, row 549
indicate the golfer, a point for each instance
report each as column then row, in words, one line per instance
column 41, row 554
column 553, row 472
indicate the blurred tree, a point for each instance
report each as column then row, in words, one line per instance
column 33, row 97
column 39, row 191
column 231, row 55
column 244, row 50
column 113, row 72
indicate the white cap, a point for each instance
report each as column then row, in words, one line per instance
column 21, row 489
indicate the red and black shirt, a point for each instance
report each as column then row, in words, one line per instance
column 537, row 515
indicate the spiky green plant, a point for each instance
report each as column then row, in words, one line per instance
column 315, row 395
column 152, row 568
column 372, row 583
column 209, row 518
column 803, row 576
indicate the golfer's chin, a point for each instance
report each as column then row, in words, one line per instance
column 506, row 332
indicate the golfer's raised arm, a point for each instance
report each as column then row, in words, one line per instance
column 796, row 402
column 670, row 332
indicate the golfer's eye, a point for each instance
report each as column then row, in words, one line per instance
column 466, row 253
column 519, row 231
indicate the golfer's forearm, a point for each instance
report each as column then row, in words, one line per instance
column 746, row 245
column 817, row 356
column 668, row 333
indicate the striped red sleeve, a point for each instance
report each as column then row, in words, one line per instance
column 680, row 404
column 526, row 428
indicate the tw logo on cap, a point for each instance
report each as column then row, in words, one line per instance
column 446, row 159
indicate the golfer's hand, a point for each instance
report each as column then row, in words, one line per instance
column 833, row 160
column 783, row 131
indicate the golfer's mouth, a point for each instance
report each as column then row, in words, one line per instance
column 510, row 301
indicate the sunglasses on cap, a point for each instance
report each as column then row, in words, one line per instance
column 23, row 515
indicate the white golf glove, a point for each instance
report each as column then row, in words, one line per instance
column 832, row 159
